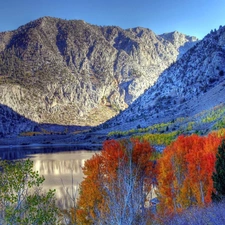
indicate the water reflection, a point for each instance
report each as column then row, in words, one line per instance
column 61, row 169
column 20, row 152
column 62, row 172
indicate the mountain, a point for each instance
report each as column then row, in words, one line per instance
column 13, row 123
column 189, row 95
column 74, row 73
column 181, row 41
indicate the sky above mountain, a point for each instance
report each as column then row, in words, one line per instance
column 192, row 17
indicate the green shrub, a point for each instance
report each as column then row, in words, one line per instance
column 21, row 199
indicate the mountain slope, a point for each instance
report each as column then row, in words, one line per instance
column 192, row 85
column 13, row 123
column 71, row 72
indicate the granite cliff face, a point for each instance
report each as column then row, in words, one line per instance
column 181, row 41
column 71, row 72
column 192, row 87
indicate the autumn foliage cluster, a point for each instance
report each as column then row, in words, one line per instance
column 118, row 180
column 185, row 172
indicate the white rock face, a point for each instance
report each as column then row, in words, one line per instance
column 181, row 41
column 71, row 72
column 191, row 85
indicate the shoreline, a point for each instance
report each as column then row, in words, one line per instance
column 89, row 142
column 38, row 145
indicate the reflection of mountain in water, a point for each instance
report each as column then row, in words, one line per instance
column 9, row 154
column 59, row 167
column 66, row 196
column 62, row 169
column 20, row 152
column 63, row 172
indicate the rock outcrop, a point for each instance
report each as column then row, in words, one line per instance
column 73, row 73
column 187, row 89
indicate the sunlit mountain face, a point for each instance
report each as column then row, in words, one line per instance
column 74, row 73
column 188, row 92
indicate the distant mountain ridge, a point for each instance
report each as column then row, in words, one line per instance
column 189, row 88
column 73, row 73
column 176, row 39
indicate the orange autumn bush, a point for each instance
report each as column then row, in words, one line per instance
column 116, row 183
column 185, row 172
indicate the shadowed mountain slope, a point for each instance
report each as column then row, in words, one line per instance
column 13, row 124
column 190, row 88
column 74, row 73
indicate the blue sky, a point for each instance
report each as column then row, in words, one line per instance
column 192, row 17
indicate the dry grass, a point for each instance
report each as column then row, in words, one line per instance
column 214, row 214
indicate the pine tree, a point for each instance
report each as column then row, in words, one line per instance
column 219, row 175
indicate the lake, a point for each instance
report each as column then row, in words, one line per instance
column 60, row 165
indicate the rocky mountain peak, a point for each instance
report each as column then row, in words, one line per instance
column 74, row 73
column 177, row 38
column 181, row 41
column 191, row 85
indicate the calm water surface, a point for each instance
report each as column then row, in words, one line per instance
column 62, row 169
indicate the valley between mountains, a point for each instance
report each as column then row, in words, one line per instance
column 71, row 82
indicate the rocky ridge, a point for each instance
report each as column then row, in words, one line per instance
column 75, row 73
column 188, row 88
